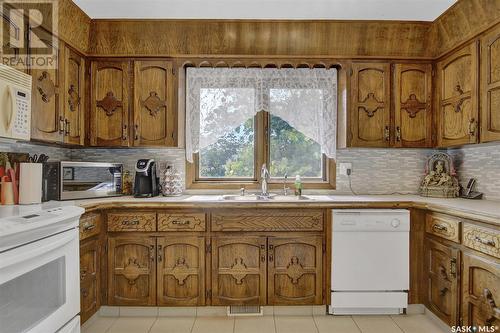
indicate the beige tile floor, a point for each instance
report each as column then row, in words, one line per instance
column 417, row 323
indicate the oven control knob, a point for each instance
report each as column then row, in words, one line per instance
column 395, row 223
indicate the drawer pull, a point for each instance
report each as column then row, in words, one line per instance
column 443, row 291
column 181, row 222
column 89, row 227
column 85, row 292
column 440, row 227
column 443, row 272
column 132, row 222
column 486, row 242
column 263, row 258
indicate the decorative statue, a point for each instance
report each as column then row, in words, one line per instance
column 440, row 178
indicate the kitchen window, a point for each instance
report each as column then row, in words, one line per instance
column 238, row 119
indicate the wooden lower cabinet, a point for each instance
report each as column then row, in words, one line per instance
column 288, row 270
column 239, row 270
column 131, row 270
column 442, row 270
column 295, row 270
column 480, row 291
column 90, row 255
column 180, row 270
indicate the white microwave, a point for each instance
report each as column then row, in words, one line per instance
column 15, row 103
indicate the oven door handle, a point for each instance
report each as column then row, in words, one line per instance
column 36, row 249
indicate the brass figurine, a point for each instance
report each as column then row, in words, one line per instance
column 440, row 179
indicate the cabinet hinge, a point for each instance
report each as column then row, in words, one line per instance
column 208, row 294
column 208, row 248
column 173, row 71
column 351, row 71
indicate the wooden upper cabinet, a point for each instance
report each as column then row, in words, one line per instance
column 154, row 116
column 370, row 105
column 109, row 112
column 131, row 270
column 47, row 120
column 480, row 291
column 181, row 270
column 295, row 270
column 412, row 105
column 442, row 265
column 490, row 87
column 239, row 270
column 457, row 86
column 74, row 97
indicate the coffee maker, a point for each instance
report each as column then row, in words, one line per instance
column 146, row 182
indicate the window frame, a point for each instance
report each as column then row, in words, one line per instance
column 262, row 155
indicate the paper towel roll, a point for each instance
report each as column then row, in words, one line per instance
column 30, row 183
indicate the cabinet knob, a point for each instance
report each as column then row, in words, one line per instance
column 387, row 134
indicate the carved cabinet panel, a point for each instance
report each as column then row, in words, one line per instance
column 239, row 270
column 181, row 270
column 490, row 87
column 154, row 115
column 89, row 278
column 370, row 118
column 47, row 116
column 109, row 110
column 457, row 109
column 74, row 97
column 295, row 270
column 480, row 291
column 412, row 105
column 131, row 270
column 442, row 270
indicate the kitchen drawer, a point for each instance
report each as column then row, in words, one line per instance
column 90, row 225
column 443, row 226
column 184, row 221
column 132, row 221
column 482, row 239
column 273, row 220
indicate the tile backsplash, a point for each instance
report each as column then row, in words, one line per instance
column 375, row 171
column 481, row 162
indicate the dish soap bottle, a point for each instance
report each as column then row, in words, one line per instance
column 298, row 186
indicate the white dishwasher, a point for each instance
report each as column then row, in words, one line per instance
column 370, row 261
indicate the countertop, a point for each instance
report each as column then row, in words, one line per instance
column 482, row 210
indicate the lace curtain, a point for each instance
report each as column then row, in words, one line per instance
column 218, row 100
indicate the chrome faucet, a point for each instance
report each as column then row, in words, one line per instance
column 264, row 176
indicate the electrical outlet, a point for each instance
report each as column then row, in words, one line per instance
column 344, row 167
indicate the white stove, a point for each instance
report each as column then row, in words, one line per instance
column 39, row 269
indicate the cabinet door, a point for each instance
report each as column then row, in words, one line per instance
column 47, row 119
column 181, row 270
column 239, row 270
column 89, row 278
column 154, row 117
column 442, row 263
column 295, row 270
column 370, row 105
column 490, row 87
column 412, row 105
column 131, row 270
column 481, row 291
column 457, row 81
column 74, row 92
column 109, row 111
